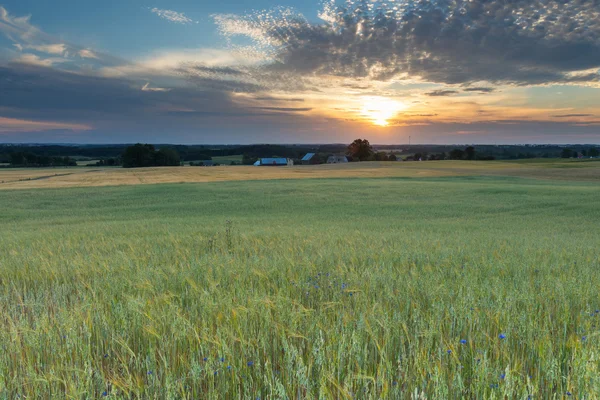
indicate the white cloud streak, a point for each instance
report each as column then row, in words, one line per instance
column 172, row 16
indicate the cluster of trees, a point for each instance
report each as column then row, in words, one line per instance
column 28, row 159
column 570, row 153
column 361, row 150
column 145, row 155
column 109, row 162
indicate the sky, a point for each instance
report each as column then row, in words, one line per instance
column 300, row 71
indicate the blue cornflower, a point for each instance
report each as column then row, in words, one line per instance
column 350, row 294
column 394, row 383
column 463, row 341
column 250, row 363
column 229, row 367
column 494, row 385
column 222, row 359
column 449, row 351
column 104, row 394
column 106, row 355
column 569, row 393
column 502, row 376
column 502, row 336
column 216, row 373
column 205, row 359
column 149, row 372
column 583, row 338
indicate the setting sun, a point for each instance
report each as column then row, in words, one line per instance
column 379, row 110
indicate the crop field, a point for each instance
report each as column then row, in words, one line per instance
column 61, row 177
column 411, row 281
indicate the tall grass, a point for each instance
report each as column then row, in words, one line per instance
column 366, row 289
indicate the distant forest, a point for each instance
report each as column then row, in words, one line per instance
column 39, row 155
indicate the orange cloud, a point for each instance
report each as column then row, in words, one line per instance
column 11, row 125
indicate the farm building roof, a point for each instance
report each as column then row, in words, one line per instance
column 308, row 156
column 273, row 161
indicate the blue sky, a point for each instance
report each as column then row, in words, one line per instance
column 293, row 71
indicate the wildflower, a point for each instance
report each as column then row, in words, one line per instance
column 463, row 341
column 205, row 359
column 502, row 376
column 149, row 372
column 229, row 367
column 494, row 386
column 350, row 294
column 104, row 394
column 222, row 359
column 449, row 351
column 250, row 363
column 569, row 394
column 583, row 338
column 394, row 383
column 106, row 355
column 502, row 336
column 215, row 374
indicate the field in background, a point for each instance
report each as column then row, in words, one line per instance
column 586, row 170
column 429, row 286
column 228, row 159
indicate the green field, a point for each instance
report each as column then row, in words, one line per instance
column 302, row 289
column 228, row 159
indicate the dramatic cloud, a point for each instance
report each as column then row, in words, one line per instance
column 409, row 67
column 479, row 89
column 172, row 16
column 11, row 125
column 573, row 115
column 521, row 42
column 441, row 93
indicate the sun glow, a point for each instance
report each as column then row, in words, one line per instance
column 379, row 110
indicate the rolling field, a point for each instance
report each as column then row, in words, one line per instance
column 410, row 281
column 587, row 170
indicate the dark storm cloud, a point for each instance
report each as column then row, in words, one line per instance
column 286, row 109
column 35, row 92
column 521, row 42
column 479, row 89
column 272, row 98
column 441, row 93
column 201, row 69
column 573, row 115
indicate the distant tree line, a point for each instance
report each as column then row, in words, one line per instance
column 145, row 155
column 112, row 155
column 362, row 150
column 28, row 159
column 570, row 153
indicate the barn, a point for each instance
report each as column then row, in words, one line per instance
column 274, row 162
column 308, row 159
